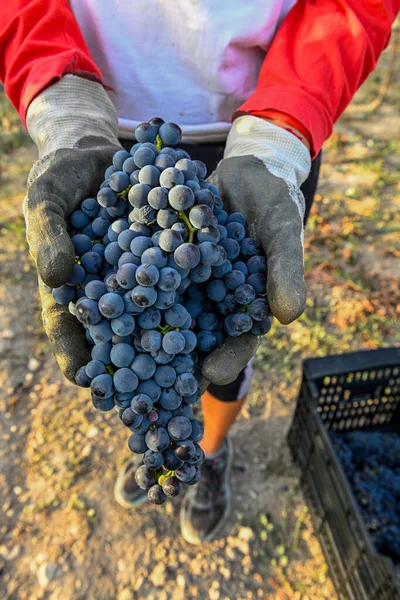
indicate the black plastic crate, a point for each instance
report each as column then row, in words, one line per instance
column 344, row 392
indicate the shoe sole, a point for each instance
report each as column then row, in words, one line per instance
column 195, row 541
column 120, row 499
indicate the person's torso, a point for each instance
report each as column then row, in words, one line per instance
column 193, row 62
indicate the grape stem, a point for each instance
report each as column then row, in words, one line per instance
column 158, row 143
column 192, row 230
column 110, row 369
column 124, row 193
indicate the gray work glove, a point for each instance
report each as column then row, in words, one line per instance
column 74, row 126
column 260, row 176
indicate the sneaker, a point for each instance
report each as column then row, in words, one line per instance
column 126, row 491
column 207, row 504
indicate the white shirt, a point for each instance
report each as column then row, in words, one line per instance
column 193, row 62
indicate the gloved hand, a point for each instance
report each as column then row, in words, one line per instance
column 260, row 176
column 74, row 126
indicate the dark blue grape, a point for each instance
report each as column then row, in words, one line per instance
column 182, row 363
column 208, row 234
column 151, row 389
column 169, row 240
column 153, row 460
column 171, row 177
column 170, row 399
column 102, row 352
column 171, row 486
column 137, row 443
column 234, row 279
column 147, row 275
column 123, row 325
column 164, row 299
column 258, row 281
column 122, row 355
column 186, row 384
column 173, row 342
column 261, row 327
column 100, row 226
column 91, row 262
column 102, row 386
column 220, row 271
column 78, row 219
column 106, row 197
column 161, row 357
column 82, row 243
column 63, row 294
column 155, row 256
column 137, row 195
column 164, row 161
column 165, row 377
column 232, row 248
column 249, row 247
column 118, row 181
column 149, row 318
column 216, row 290
column 151, row 340
column 125, row 238
column 157, row 439
column 158, row 197
column 166, row 217
column 87, row 312
column 103, row 404
column 156, row 495
column 149, row 175
column 206, row 341
column 170, row 134
column 200, row 273
column 81, row 378
column 146, row 132
column 101, row 332
column 187, row 256
column 176, row 315
column 190, row 340
column 258, row 309
column 244, row 294
column 171, row 462
column 111, row 305
column 144, row 366
column 197, row 430
column 207, row 321
column 181, row 197
column 144, row 296
column 126, row 276
column 142, row 404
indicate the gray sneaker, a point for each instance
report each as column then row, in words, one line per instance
column 207, row 505
column 126, row 491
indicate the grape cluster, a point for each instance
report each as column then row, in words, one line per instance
column 371, row 461
column 162, row 276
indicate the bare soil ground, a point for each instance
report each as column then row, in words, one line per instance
column 62, row 536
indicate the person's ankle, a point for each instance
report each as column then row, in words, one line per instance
column 214, row 450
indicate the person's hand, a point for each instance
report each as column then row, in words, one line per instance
column 260, row 176
column 74, row 126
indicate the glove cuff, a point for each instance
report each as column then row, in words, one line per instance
column 69, row 110
column 283, row 154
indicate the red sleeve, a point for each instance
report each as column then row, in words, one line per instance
column 322, row 53
column 40, row 41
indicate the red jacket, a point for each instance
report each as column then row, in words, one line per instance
column 40, row 41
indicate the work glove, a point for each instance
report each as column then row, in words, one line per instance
column 74, row 126
column 260, row 176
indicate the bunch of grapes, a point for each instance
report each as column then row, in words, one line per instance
column 371, row 461
column 162, row 276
